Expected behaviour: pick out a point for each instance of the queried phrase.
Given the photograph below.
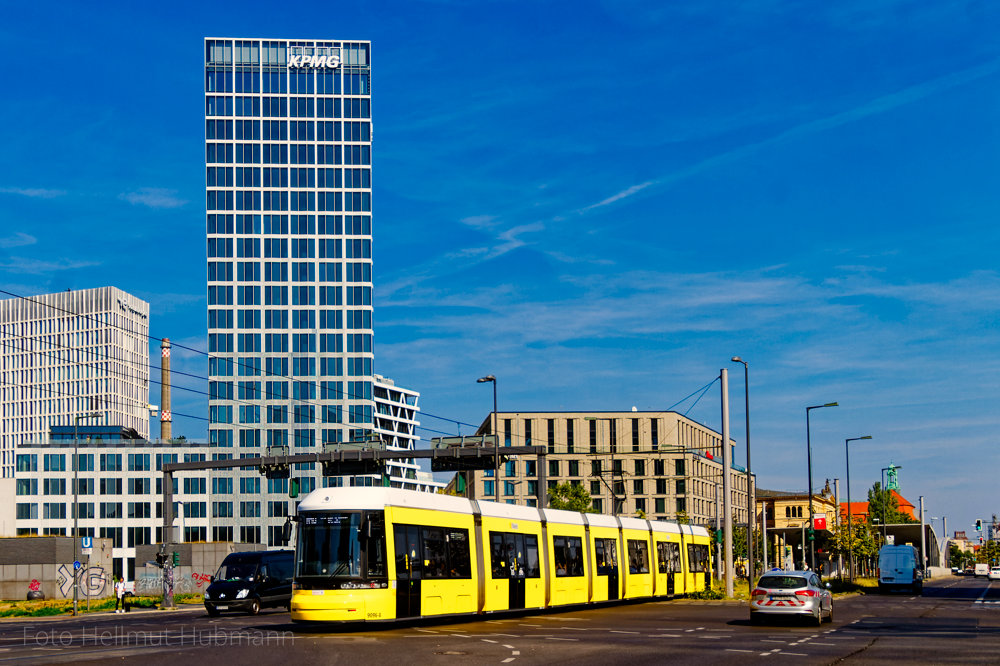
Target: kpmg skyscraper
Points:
(288, 157)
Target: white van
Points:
(897, 568)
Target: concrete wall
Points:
(46, 564)
(198, 563)
(7, 514)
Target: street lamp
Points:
(76, 505)
(812, 523)
(496, 438)
(850, 520)
(751, 504)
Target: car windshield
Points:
(781, 582)
(237, 570)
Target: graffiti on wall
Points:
(92, 581)
(151, 582)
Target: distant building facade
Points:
(661, 464)
(121, 486)
(68, 354)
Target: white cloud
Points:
(153, 197)
(39, 266)
(34, 192)
(627, 192)
(17, 240)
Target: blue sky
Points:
(598, 202)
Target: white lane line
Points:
(615, 631)
(794, 654)
(562, 639)
(486, 640)
(427, 631)
(822, 644)
(664, 635)
(508, 660)
(462, 635)
(712, 638)
(509, 647)
(735, 650)
(516, 652)
(575, 629)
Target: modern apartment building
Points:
(288, 140)
(661, 464)
(69, 354)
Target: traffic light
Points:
(979, 525)
(718, 536)
(293, 488)
(160, 559)
(811, 534)
(177, 559)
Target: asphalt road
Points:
(956, 620)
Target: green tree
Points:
(882, 504)
(571, 497)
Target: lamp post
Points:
(612, 445)
(885, 503)
(751, 503)
(809, 463)
(850, 520)
(76, 505)
(496, 438)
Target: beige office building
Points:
(661, 464)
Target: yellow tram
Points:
(382, 554)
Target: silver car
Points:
(791, 593)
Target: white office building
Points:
(68, 354)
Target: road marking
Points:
(509, 647)
(712, 638)
(616, 631)
(735, 650)
(575, 629)
(794, 654)
(562, 639)
(427, 631)
(822, 644)
(507, 660)
(486, 640)
(664, 635)
(516, 652)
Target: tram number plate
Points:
(222, 608)
(317, 593)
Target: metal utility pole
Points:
(751, 499)
(496, 443)
(76, 504)
(727, 493)
(923, 546)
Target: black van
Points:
(251, 581)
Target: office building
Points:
(69, 354)
(659, 464)
(288, 143)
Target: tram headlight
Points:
(242, 594)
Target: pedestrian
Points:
(119, 595)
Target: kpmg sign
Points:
(331, 61)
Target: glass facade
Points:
(289, 243)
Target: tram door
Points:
(669, 556)
(510, 563)
(408, 569)
(606, 552)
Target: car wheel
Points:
(254, 607)
(829, 616)
(754, 619)
(818, 620)
(212, 612)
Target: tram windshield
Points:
(341, 545)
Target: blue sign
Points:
(77, 565)
(87, 542)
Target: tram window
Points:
(668, 556)
(638, 556)
(374, 547)
(604, 551)
(408, 556)
(531, 556)
(435, 553)
(458, 554)
(568, 553)
(697, 558)
(497, 555)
